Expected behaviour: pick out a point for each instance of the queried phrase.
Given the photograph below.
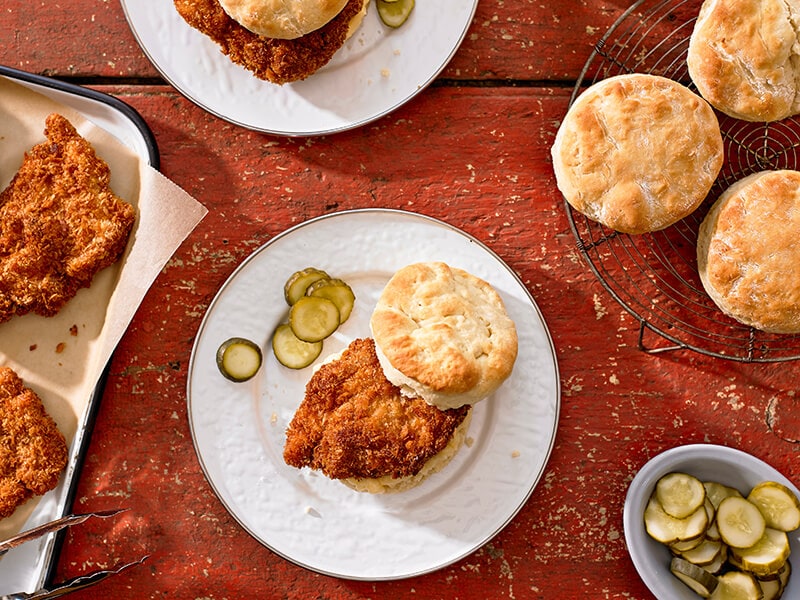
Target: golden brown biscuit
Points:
(637, 152)
(443, 334)
(743, 57)
(282, 19)
(748, 252)
(33, 453)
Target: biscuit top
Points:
(443, 334)
(282, 19)
(748, 252)
(637, 152)
(743, 58)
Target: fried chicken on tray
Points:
(33, 452)
(60, 223)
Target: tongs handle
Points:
(71, 585)
(36, 532)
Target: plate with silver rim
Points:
(238, 429)
(377, 70)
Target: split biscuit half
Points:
(443, 334)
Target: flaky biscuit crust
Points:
(637, 152)
(747, 251)
(743, 57)
(446, 330)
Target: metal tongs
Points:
(76, 583)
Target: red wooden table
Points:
(484, 128)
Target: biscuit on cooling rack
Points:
(747, 251)
(637, 152)
(743, 58)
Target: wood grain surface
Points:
(473, 150)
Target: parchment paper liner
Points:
(62, 357)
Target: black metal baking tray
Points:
(31, 566)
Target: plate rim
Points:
(287, 132)
(556, 394)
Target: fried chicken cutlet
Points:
(60, 223)
(33, 452)
(276, 60)
(354, 424)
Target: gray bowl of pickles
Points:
(708, 521)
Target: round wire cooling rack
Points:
(654, 275)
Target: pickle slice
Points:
(717, 492)
(778, 504)
(238, 359)
(712, 533)
(394, 14)
(718, 563)
(740, 522)
(770, 588)
(703, 554)
(736, 585)
(312, 318)
(338, 292)
(699, 580)
(680, 494)
(293, 352)
(667, 529)
(686, 545)
(767, 556)
(297, 284)
(784, 574)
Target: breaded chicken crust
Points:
(60, 223)
(33, 452)
(275, 60)
(353, 423)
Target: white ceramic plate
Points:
(375, 72)
(707, 462)
(238, 429)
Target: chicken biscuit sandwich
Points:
(277, 40)
(390, 411)
(356, 427)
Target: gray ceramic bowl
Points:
(708, 463)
